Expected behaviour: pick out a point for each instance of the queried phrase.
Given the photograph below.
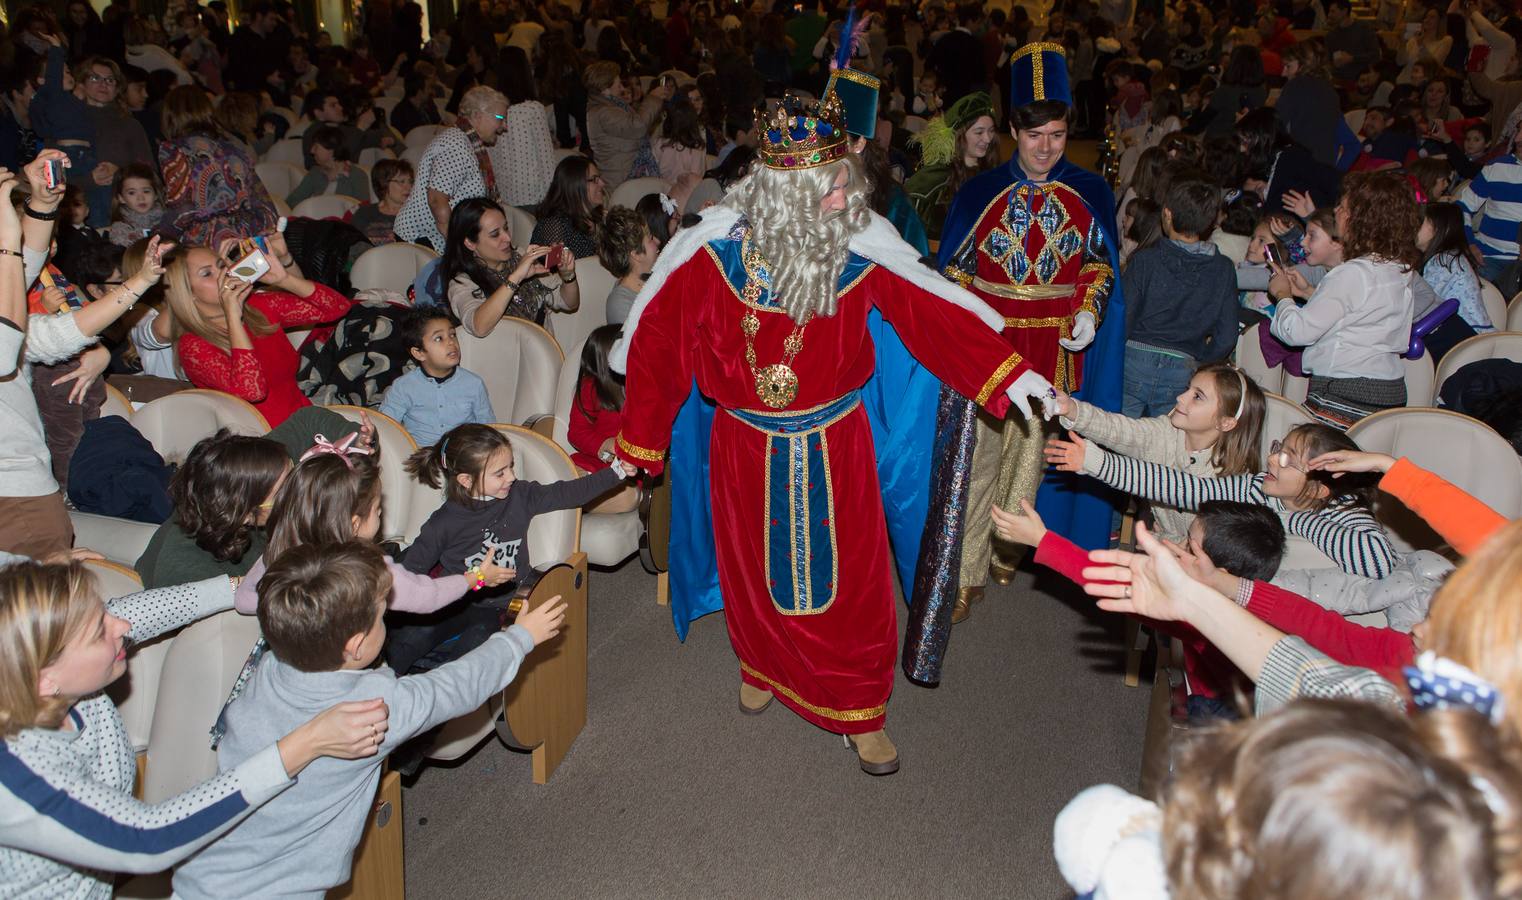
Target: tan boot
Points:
(966, 597)
(1000, 574)
(753, 700)
(875, 752)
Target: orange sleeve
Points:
(1459, 518)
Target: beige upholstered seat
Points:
(421, 136)
(521, 223)
(327, 206)
(174, 423)
(200, 666)
(414, 155)
(1462, 450)
(286, 150)
(397, 487)
(607, 538)
(1495, 303)
(1354, 118)
(116, 404)
(136, 692)
(1250, 360)
(1513, 315)
(552, 538)
(280, 178)
(519, 362)
(632, 191)
(563, 153)
(1490, 345)
(369, 156)
(594, 283)
(1421, 381)
(390, 267)
(119, 540)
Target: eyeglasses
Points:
(1276, 449)
(101, 79)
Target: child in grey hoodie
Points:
(321, 608)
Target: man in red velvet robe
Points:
(765, 305)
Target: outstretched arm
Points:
(659, 375)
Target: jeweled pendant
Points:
(777, 385)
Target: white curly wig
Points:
(804, 250)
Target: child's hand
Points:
(493, 574)
(1064, 405)
(92, 362)
(1279, 284)
(366, 437)
(543, 621)
(1299, 203)
(53, 298)
(1280, 225)
(1027, 528)
(1340, 461)
(1068, 455)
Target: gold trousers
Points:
(1006, 467)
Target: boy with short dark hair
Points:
(1181, 300)
(439, 393)
(321, 610)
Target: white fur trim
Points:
(880, 243)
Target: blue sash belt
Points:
(801, 567)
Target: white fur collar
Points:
(880, 242)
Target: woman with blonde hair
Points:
(230, 337)
(211, 191)
(67, 812)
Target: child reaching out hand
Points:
(486, 511)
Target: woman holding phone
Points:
(488, 278)
(231, 337)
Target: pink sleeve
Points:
(415, 593)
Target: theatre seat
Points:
(519, 362)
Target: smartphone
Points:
(251, 267)
(552, 259)
(1271, 253)
(53, 176)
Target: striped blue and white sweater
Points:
(1348, 534)
(1492, 201)
(67, 815)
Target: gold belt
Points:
(1025, 291)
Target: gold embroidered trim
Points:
(1103, 274)
(1038, 64)
(839, 715)
(1049, 322)
(861, 78)
(639, 452)
(841, 292)
(992, 384)
(1037, 47)
(1025, 291)
(957, 275)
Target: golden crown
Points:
(799, 135)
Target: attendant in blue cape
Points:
(1036, 239)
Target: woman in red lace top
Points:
(596, 416)
(231, 337)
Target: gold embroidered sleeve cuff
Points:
(644, 454)
(997, 378)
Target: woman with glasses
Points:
(1332, 511)
(119, 139)
(571, 213)
(392, 180)
(456, 166)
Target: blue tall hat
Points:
(1039, 71)
(857, 91)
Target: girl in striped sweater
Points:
(1333, 512)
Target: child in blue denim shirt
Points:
(438, 394)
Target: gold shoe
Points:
(753, 700)
(874, 752)
(1000, 574)
(966, 597)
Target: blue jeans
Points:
(1154, 379)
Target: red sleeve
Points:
(291, 311)
(580, 430)
(973, 359)
(659, 375)
(1346, 642)
(1063, 557)
(1457, 517)
(237, 373)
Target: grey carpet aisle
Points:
(671, 792)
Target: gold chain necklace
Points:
(777, 384)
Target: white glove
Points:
(1029, 384)
(1082, 333)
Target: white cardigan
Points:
(25, 465)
